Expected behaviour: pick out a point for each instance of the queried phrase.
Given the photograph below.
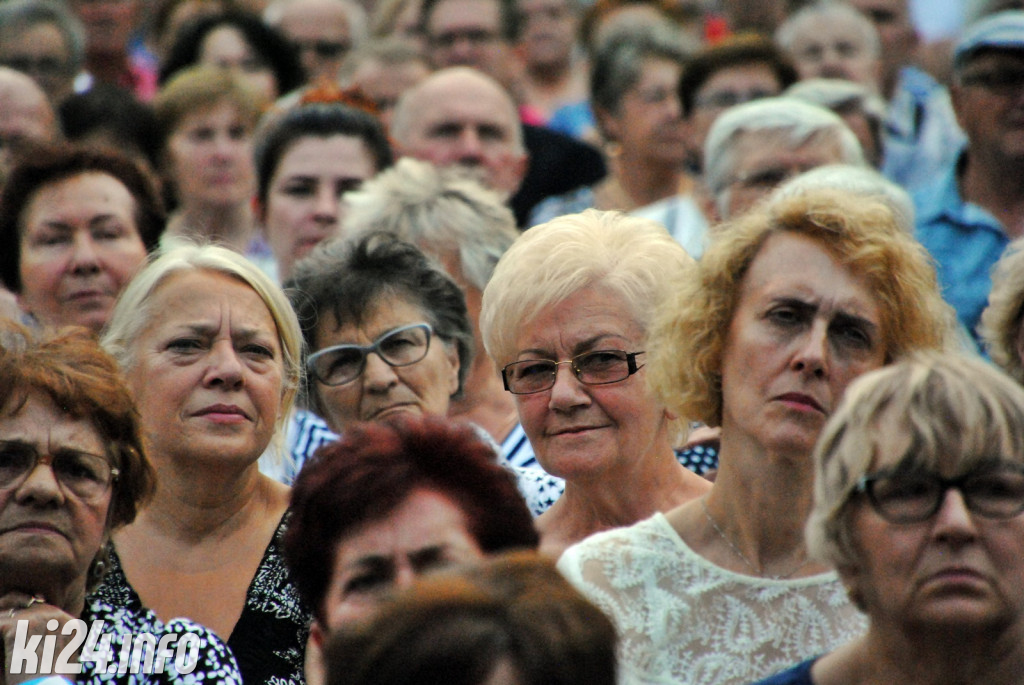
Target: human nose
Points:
(326, 209)
(84, 255)
(568, 392)
(953, 521)
(470, 145)
(405, 575)
(811, 356)
(39, 485)
(225, 368)
(378, 375)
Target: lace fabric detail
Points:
(681, 619)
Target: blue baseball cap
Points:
(1000, 31)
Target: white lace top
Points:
(681, 619)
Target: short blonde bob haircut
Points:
(134, 313)
(928, 411)
(1000, 322)
(634, 258)
(201, 87)
(688, 337)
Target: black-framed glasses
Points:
(342, 364)
(999, 81)
(87, 476)
(911, 496)
(599, 367)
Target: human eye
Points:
(108, 230)
(444, 130)
(492, 133)
(1002, 488)
(767, 178)
(337, 365)
(15, 459)
(299, 188)
(852, 333)
(74, 466)
(50, 237)
(784, 315)
(259, 350)
(905, 494)
(601, 360)
(531, 369)
(345, 185)
(184, 345)
(846, 49)
(372, 581)
(238, 132)
(201, 134)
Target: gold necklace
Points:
(736, 550)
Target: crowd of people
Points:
(287, 288)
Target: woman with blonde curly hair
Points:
(1001, 322)
(788, 305)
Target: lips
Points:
(35, 527)
(391, 409)
(223, 411)
(797, 400)
(572, 430)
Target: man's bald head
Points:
(461, 116)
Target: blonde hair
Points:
(946, 410)
(1001, 320)
(688, 335)
(634, 258)
(134, 313)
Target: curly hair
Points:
(689, 332)
(1001, 320)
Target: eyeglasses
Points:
(766, 179)
(86, 476)
(999, 81)
(324, 49)
(475, 37)
(599, 367)
(344, 363)
(902, 496)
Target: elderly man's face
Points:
(989, 102)
(42, 52)
(827, 48)
(468, 123)
(320, 32)
(467, 33)
(766, 161)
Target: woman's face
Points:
(382, 391)
(80, 245)
(303, 205)
(427, 532)
(47, 531)
(579, 430)
(649, 123)
(804, 327)
(226, 47)
(208, 375)
(210, 157)
(956, 569)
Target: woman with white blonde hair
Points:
(1002, 322)
(211, 351)
(580, 292)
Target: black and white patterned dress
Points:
(269, 640)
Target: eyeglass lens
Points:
(85, 475)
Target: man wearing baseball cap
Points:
(976, 207)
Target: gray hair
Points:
(16, 15)
(939, 408)
(788, 32)
(857, 180)
(795, 122)
(355, 17)
(443, 211)
(1001, 320)
(839, 95)
(617, 63)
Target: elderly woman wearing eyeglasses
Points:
(564, 317)
(72, 471)
(387, 330)
(918, 503)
